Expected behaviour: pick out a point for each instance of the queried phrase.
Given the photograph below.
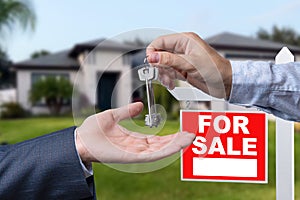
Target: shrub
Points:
(54, 91)
(12, 110)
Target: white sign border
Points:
(228, 181)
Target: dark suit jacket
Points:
(46, 167)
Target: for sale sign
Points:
(229, 146)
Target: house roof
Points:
(228, 40)
(102, 44)
(58, 60)
(67, 59)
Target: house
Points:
(238, 47)
(107, 77)
(101, 78)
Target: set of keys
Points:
(148, 74)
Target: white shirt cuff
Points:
(87, 169)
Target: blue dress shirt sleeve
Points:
(273, 88)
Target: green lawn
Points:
(163, 184)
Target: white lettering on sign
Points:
(239, 123)
(200, 144)
(203, 123)
(217, 146)
(218, 121)
(247, 146)
(230, 149)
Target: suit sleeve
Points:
(46, 167)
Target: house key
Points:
(148, 73)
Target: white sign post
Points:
(284, 146)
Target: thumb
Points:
(128, 111)
(167, 59)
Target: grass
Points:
(163, 184)
(13, 131)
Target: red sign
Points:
(229, 146)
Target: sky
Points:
(63, 23)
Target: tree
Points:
(7, 76)
(53, 91)
(12, 13)
(40, 53)
(16, 12)
(283, 35)
(167, 101)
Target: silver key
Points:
(148, 74)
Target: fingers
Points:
(171, 67)
(167, 59)
(128, 149)
(127, 111)
(167, 81)
(172, 43)
(180, 141)
(173, 51)
(164, 146)
(168, 50)
(168, 76)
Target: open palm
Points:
(104, 140)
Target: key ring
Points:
(145, 60)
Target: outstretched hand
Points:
(101, 139)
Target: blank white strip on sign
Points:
(225, 167)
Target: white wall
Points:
(23, 88)
(99, 62)
(8, 95)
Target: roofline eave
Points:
(45, 67)
(243, 48)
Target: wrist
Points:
(81, 150)
(225, 70)
(227, 77)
